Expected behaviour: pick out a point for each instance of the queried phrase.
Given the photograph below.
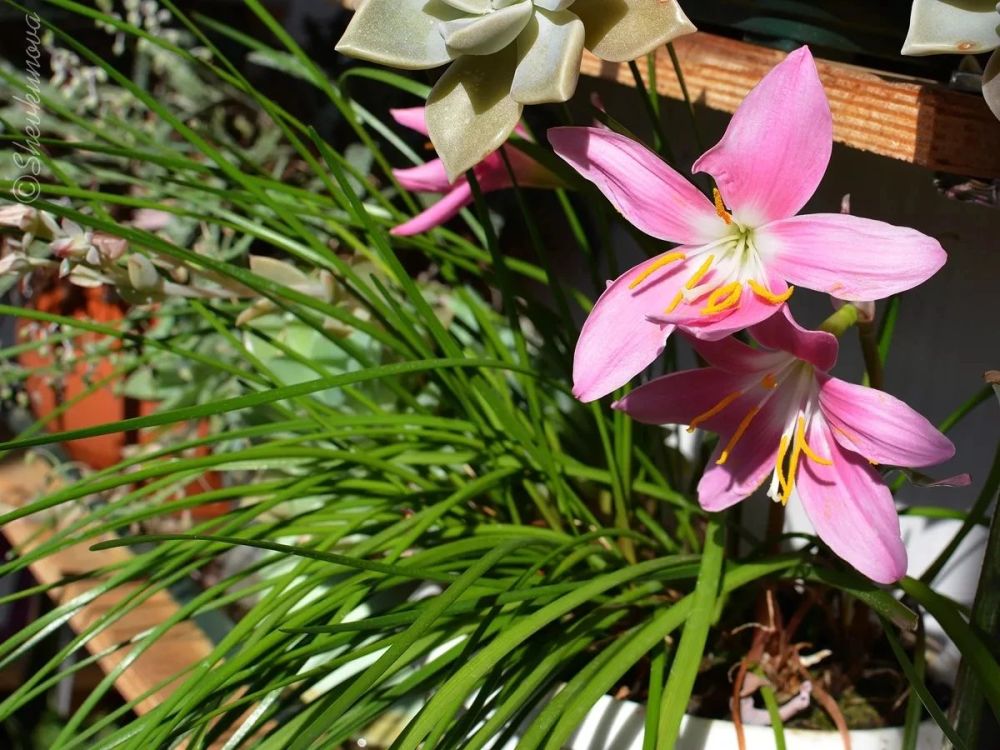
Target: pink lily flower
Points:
(778, 411)
(736, 256)
(431, 177)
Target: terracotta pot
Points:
(58, 385)
(48, 392)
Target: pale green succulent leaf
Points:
(277, 271)
(991, 83)
(478, 7)
(470, 112)
(622, 30)
(549, 51)
(488, 34)
(399, 33)
(553, 4)
(952, 27)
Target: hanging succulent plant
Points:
(504, 54)
(964, 28)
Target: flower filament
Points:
(656, 265)
(792, 448)
(738, 267)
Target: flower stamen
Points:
(724, 456)
(720, 207)
(799, 446)
(723, 298)
(767, 295)
(769, 381)
(714, 410)
(655, 266)
(700, 273)
(782, 480)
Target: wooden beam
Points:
(910, 119)
(903, 118)
(184, 645)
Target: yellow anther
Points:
(804, 446)
(714, 410)
(769, 381)
(793, 466)
(675, 302)
(723, 298)
(656, 265)
(799, 446)
(720, 207)
(700, 273)
(782, 452)
(724, 456)
(766, 294)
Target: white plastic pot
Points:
(618, 725)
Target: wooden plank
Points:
(903, 118)
(184, 645)
(910, 119)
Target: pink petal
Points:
(529, 173)
(647, 192)
(752, 459)
(777, 146)
(682, 396)
(618, 339)
(411, 117)
(734, 356)
(847, 256)
(445, 209)
(780, 332)
(424, 178)
(880, 427)
(850, 508)
(492, 173)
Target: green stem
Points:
(874, 372)
(965, 409)
(975, 516)
(967, 710)
(774, 712)
(687, 96)
(661, 142)
(841, 320)
(914, 708)
(775, 526)
(691, 648)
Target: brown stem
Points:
(869, 349)
(830, 706)
(775, 527)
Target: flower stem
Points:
(968, 708)
(660, 136)
(868, 337)
(678, 71)
(841, 320)
(775, 527)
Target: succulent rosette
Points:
(504, 54)
(970, 27)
